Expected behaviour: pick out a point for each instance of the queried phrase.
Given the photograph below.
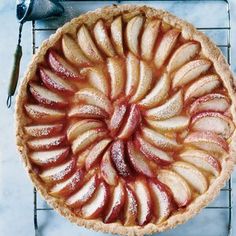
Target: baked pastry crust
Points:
(210, 51)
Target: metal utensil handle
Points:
(15, 69)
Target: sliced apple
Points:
(117, 35)
(46, 97)
(190, 72)
(87, 45)
(73, 53)
(145, 82)
(58, 173)
(116, 69)
(202, 86)
(214, 122)
(95, 154)
(43, 114)
(96, 78)
(178, 186)
(87, 138)
(162, 200)
(94, 97)
(43, 130)
(67, 187)
(192, 175)
(115, 204)
(107, 170)
(96, 204)
(119, 158)
(82, 126)
(176, 123)
(159, 140)
(102, 39)
(207, 141)
(201, 160)
(117, 118)
(49, 158)
(139, 161)
(84, 193)
(56, 83)
(170, 108)
(87, 111)
(133, 30)
(144, 202)
(61, 67)
(165, 47)
(132, 122)
(152, 152)
(157, 94)
(183, 54)
(210, 102)
(132, 74)
(148, 39)
(46, 143)
(130, 207)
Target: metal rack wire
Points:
(226, 46)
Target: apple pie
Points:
(126, 120)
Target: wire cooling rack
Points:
(222, 211)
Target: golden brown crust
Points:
(189, 32)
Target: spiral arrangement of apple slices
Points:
(128, 121)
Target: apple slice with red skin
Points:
(210, 102)
(162, 200)
(82, 126)
(190, 71)
(94, 207)
(102, 39)
(119, 159)
(95, 154)
(149, 35)
(115, 204)
(73, 53)
(67, 187)
(116, 69)
(178, 186)
(87, 45)
(47, 97)
(221, 124)
(133, 30)
(61, 67)
(165, 47)
(55, 83)
(87, 111)
(130, 207)
(183, 54)
(108, 171)
(43, 130)
(94, 97)
(84, 193)
(207, 141)
(46, 143)
(87, 138)
(201, 160)
(204, 85)
(49, 158)
(117, 118)
(160, 140)
(152, 152)
(144, 201)
(131, 123)
(139, 161)
(43, 114)
(58, 173)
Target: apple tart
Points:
(126, 120)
